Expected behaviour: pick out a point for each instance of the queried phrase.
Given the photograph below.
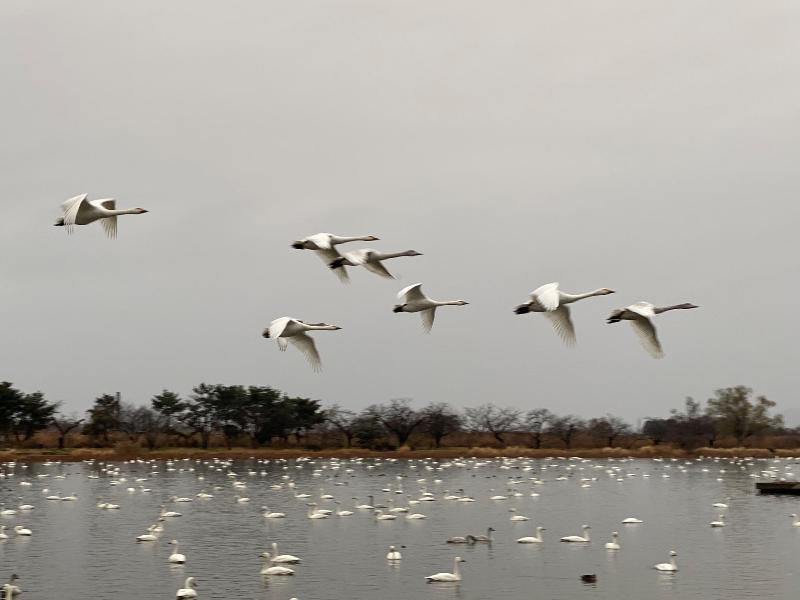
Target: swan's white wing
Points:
(71, 208)
(646, 331)
(321, 240)
(562, 322)
(305, 343)
(644, 309)
(375, 266)
(411, 293)
(328, 255)
(109, 223)
(547, 296)
(428, 315)
(277, 327)
(357, 257)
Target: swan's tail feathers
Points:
(522, 309)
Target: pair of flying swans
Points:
(287, 329)
(414, 300)
(78, 210)
(551, 301)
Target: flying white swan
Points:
(413, 300)
(533, 539)
(80, 211)
(176, 557)
(670, 566)
(393, 554)
(551, 301)
(282, 558)
(614, 543)
(277, 570)
(324, 244)
(454, 576)
(639, 315)
(578, 538)
(287, 329)
(370, 259)
(188, 590)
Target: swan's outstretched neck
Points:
(685, 305)
(566, 298)
(356, 238)
(452, 303)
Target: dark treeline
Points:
(236, 416)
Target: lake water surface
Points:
(78, 551)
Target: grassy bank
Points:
(111, 454)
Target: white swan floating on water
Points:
(533, 539)
(188, 590)
(578, 538)
(670, 566)
(454, 576)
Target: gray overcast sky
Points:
(649, 147)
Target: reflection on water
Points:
(81, 551)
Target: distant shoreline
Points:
(110, 454)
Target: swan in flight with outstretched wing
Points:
(370, 259)
(413, 300)
(81, 211)
(287, 329)
(324, 244)
(639, 315)
(551, 301)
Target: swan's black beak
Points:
(297, 245)
(522, 309)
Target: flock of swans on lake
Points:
(276, 564)
(547, 299)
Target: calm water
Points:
(79, 551)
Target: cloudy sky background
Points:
(649, 147)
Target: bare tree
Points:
(609, 428)
(535, 423)
(493, 419)
(64, 424)
(345, 421)
(397, 417)
(440, 420)
(565, 428)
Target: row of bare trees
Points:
(257, 416)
